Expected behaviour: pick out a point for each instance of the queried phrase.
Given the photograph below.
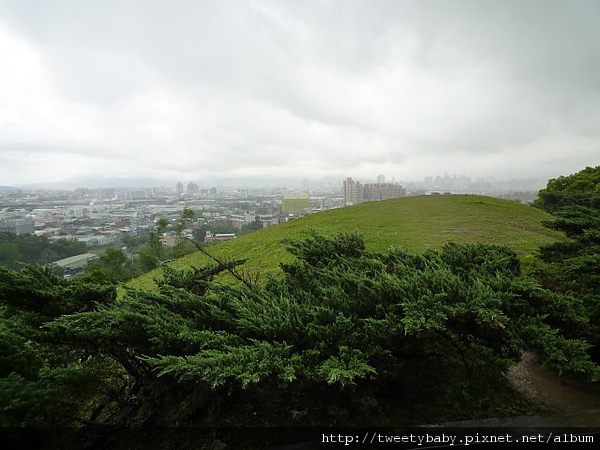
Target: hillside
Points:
(414, 223)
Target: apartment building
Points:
(354, 192)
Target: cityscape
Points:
(104, 216)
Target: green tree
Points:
(343, 334)
(114, 264)
(16, 249)
(573, 266)
(155, 238)
(581, 188)
(9, 254)
(340, 328)
(251, 227)
(44, 382)
(184, 221)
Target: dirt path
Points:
(575, 405)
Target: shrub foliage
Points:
(573, 266)
(328, 341)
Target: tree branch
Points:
(226, 267)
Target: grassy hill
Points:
(414, 223)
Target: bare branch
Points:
(250, 284)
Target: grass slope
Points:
(414, 223)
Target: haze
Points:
(259, 90)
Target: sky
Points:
(263, 90)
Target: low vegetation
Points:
(572, 267)
(349, 330)
(413, 223)
(342, 328)
(17, 249)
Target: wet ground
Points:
(569, 403)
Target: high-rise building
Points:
(192, 189)
(382, 191)
(353, 192)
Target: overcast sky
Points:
(196, 90)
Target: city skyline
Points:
(182, 186)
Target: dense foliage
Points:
(25, 248)
(573, 266)
(344, 333)
(581, 188)
(44, 380)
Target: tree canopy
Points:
(573, 266)
(334, 337)
(581, 188)
(25, 248)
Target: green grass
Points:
(413, 223)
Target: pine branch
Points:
(250, 284)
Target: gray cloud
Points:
(312, 88)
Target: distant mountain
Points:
(104, 182)
(413, 223)
(213, 181)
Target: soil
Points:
(570, 403)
